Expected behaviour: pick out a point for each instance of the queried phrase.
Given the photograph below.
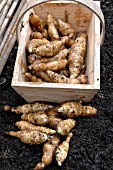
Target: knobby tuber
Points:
(58, 78)
(52, 48)
(27, 108)
(43, 76)
(65, 126)
(34, 43)
(77, 54)
(36, 35)
(73, 109)
(32, 78)
(26, 126)
(52, 65)
(53, 112)
(52, 31)
(30, 137)
(32, 58)
(49, 150)
(63, 149)
(37, 22)
(38, 118)
(54, 121)
(65, 28)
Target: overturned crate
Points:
(83, 15)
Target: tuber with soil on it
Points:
(28, 108)
(36, 35)
(54, 121)
(52, 48)
(52, 30)
(63, 149)
(66, 29)
(58, 78)
(30, 137)
(53, 112)
(65, 126)
(34, 43)
(26, 126)
(77, 55)
(32, 57)
(32, 78)
(72, 109)
(38, 118)
(49, 150)
(52, 65)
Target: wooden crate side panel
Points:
(55, 94)
(77, 15)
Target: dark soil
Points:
(91, 148)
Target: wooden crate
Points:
(82, 19)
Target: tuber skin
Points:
(33, 78)
(36, 22)
(61, 55)
(26, 126)
(36, 35)
(72, 109)
(43, 76)
(32, 58)
(76, 55)
(65, 126)
(30, 137)
(34, 43)
(52, 48)
(63, 149)
(66, 29)
(52, 65)
(38, 118)
(58, 78)
(54, 121)
(53, 112)
(52, 31)
(27, 108)
(49, 150)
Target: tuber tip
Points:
(7, 108)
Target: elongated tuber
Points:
(27, 108)
(38, 118)
(36, 35)
(32, 78)
(52, 31)
(73, 109)
(53, 112)
(52, 65)
(76, 55)
(58, 78)
(37, 22)
(34, 43)
(43, 76)
(65, 28)
(63, 149)
(26, 126)
(49, 150)
(29, 137)
(65, 126)
(52, 48)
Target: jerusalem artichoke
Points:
(66, 29)
(32, 78)
(53, 112)
(30, 137)
(52, 65)
(27, 108)
(37, 22)
(36, 35)
(58, 78)
(43, 75)
(52, 31)
(52, 48)
(49, 150)
(38, 118)
(65, 126)
(63, 149)
(34, 43)
(73, 109)
(76, 55)
(32, 58)
(26, 126)
(54, 121)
